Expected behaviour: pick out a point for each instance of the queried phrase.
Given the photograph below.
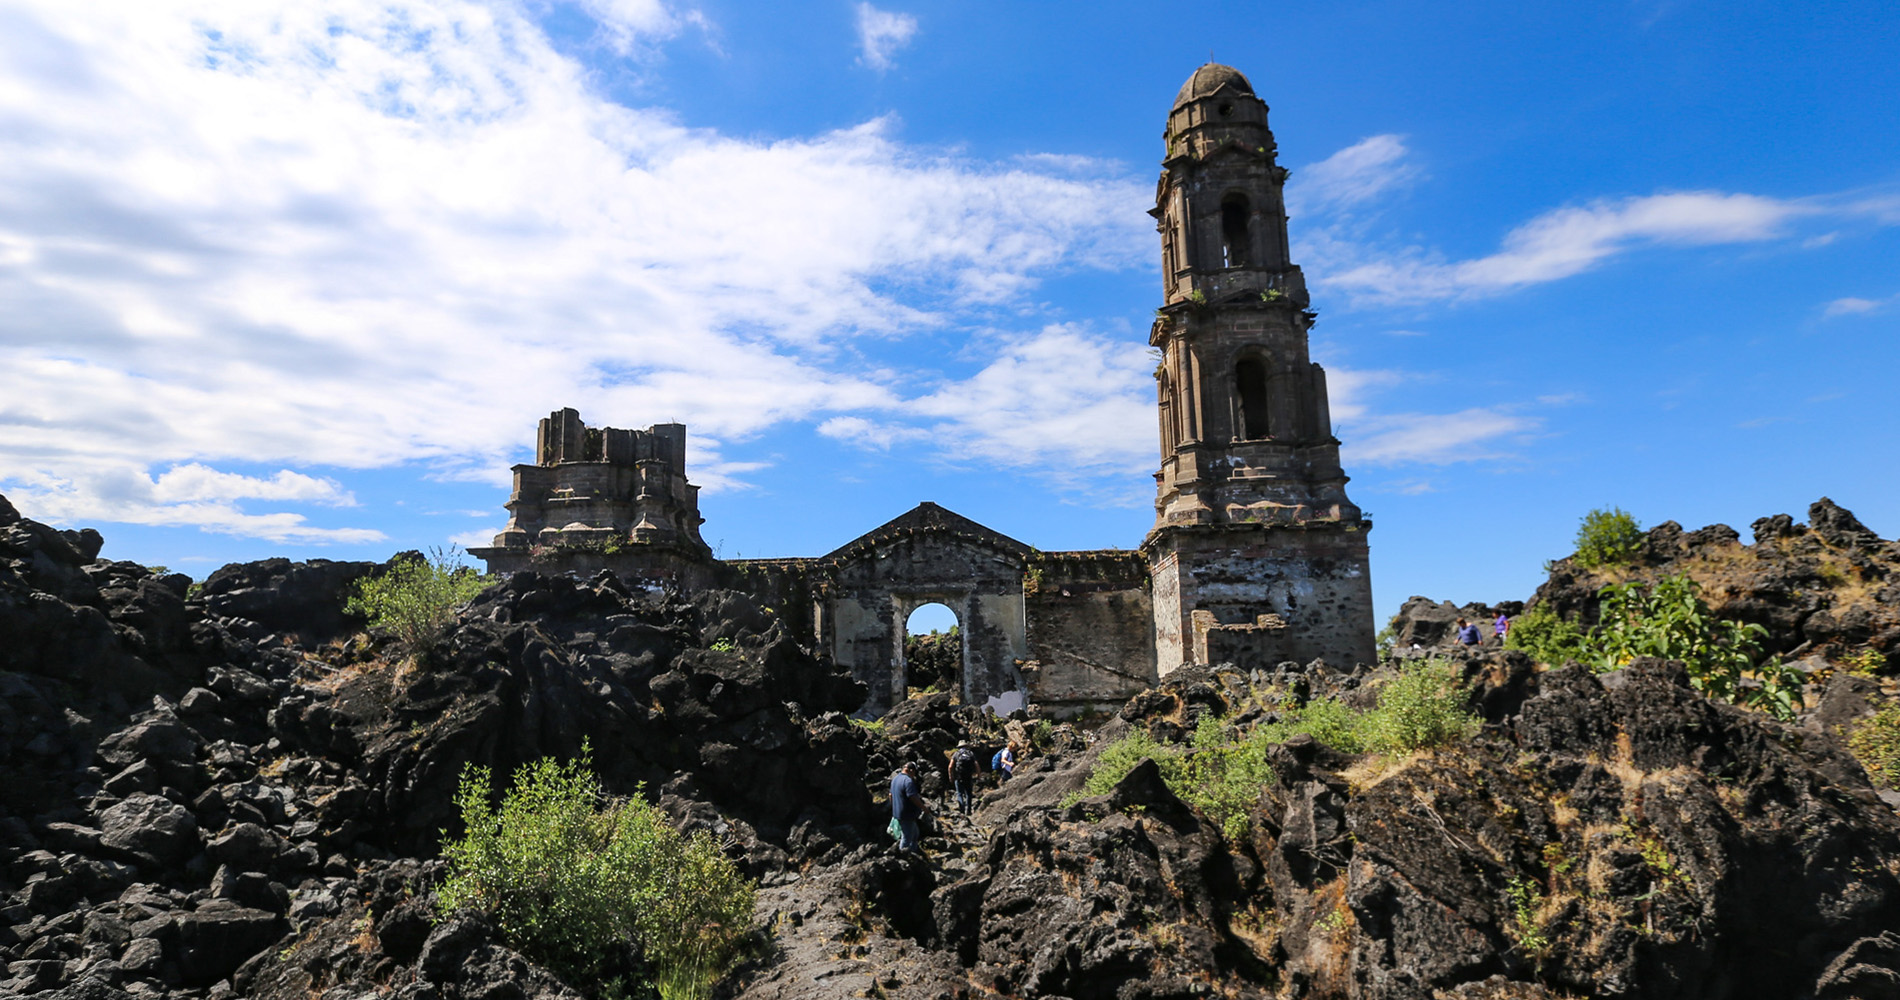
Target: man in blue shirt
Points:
(907, 805)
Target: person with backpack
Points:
(907, 806)
(963, 777)
(1004, 763)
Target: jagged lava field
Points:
(236, 789)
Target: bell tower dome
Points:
(1252, 521)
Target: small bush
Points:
(415, 600)
(1421, 708)
(1121, 756)
(1547, 637)
(1866, 662)
(1875, 742)
(1525, 926)
(571, 879)
(1326, 720)
(1723, 656)
(1607, 538)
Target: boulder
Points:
(162, 741)
(219, 936)
(246, 847)
(151, 829)
(301, 598)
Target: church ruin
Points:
(1257, 556)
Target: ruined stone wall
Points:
(1313, 576)
(878, 583)
(791, 588)
(1088, 621)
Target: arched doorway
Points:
(933, 652)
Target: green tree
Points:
(416, 598)
(571, 878)
(1607, 538)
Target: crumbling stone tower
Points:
(1257, 555)
(604, 498)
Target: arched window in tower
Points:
(1250, 378)
(1166, 392)
(1235, 236)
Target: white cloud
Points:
(1432, 438)
(369, 234)
(1336, 200)
(195, 482)
(881, 33)
(1556, 245)
(1852, 306)
(194, 497)
(477, 538)
(869, 433)
(1064, 400)
(1354, 175)
(626, 21)
(1064, 404)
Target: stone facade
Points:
(1256, 557)
(1251, 513)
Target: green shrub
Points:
(1607, 538)
(415, 600)
(1723, 656)
(1326, 720)
(1875, 742)
(1221, 771)
(1421, 708)
(1224, 782)
(1547, 637)
(1525, 927)
(1121, 756)
(570, 878)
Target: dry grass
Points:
(1329, 946)
(365, 940)
(1372, 770)
(1562, 814)
(1622, 764)
(1258, 929)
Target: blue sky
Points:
(299, 280)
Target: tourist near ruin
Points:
(617, 766)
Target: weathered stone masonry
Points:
(1251, 513)
(1257, 555)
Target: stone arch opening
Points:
(1250, 384)
(933, 651)
(1236, 222)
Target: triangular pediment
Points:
(930, 518)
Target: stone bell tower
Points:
(1257, 555)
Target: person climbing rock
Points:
(1467, 633)
(1005, 762)
(907, 806)
(963, 776)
